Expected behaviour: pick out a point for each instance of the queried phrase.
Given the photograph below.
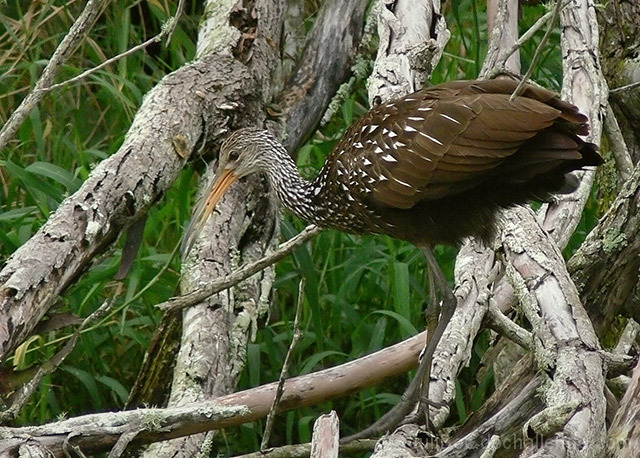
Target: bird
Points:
(433, 167)
(430, 168)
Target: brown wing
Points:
(439, 141)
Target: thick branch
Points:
(323, 66)
(605, 268)
(565, 345)
(119, 191)
(99, 432)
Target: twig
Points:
(69, 43)
(76, 34)
(125, 439)
(618, 146)
(497, 321)
(531, 31)
(539, 49)
(284, 373)
(170, 26)
(187, 300)
(624, 88)
(166, 32)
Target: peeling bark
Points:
(408, 51)
(620, 50)
(215, 332)
(624, 437)
(324, 64)
(565, 345)
(120, 190)
(605, 268)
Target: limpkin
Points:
(432, 167)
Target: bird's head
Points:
(243, 153)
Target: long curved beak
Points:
(222, 180)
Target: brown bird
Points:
(432, 167)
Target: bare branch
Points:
(331, 44)
(502, 20)
(99, 432)
(244, 272)
(497, 321)
(565, 345)
(617, 144)
(284, 373)
(118, 192)
(623, 440)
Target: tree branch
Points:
(99, 432)
(194, 297)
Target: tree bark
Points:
(120, 190)
(215, 332)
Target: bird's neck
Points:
(293, 191)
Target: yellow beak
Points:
(219, 185)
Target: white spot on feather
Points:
(449, 118)
(433, 139)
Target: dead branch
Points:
(284, 372)
(605, 268)
(118, 192)
(165, 33)
(623, 439)
(194, 297)
(326, 432)
(565, 345)
(99, 432)
(331, 44)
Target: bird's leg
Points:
(420, 383)
(438, 315)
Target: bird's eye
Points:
(233, 155)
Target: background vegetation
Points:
(362, 294)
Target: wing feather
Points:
(448, 139)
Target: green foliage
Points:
(362, 293)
